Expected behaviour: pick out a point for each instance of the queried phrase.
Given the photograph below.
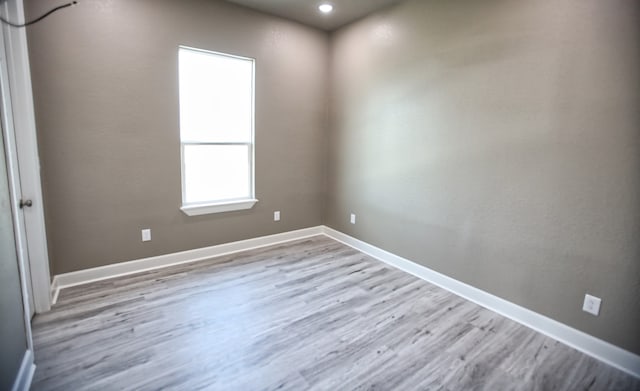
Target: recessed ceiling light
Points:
(325, 8)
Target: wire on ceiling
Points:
(36, 20)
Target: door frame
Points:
(20, 97)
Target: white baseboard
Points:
(55, 290)
(86, 276)
(25, 373)
(597, 348)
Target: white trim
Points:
(55, 290)
(590, 345)
(227, 206)
(85, 276)
(24, 377)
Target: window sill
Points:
(227, 206)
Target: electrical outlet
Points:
(591, 304)
(353, 218)
(276, 215)
(146, 235)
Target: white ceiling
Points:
(306, 11)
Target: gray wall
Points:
(13, 339)
(106, 98)
(498, 142)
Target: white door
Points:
(23, 166)
(19, 204)
(12, 280)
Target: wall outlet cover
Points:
(146, 235)
(276, 215)
(591, 304)
(353, 218)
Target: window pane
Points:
(216, 96)
(216, 172)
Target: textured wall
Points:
(13, 339)
(498, 142)
(106, 98)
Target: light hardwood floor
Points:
(310, 314)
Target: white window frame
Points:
(227, 205)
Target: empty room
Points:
(320, 195)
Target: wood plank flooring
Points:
(306, 315)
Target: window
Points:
(216, 131)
